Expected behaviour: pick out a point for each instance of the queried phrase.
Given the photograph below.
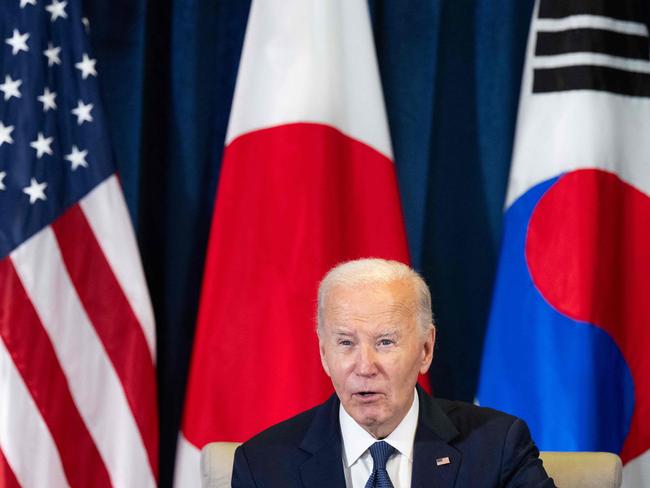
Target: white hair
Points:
(376, 271)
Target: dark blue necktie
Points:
(380, 452)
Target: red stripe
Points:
(114, 320)
(7, 477)
(33, 354)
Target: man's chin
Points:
(368, 416)
(375, 425)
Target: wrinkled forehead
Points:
(370, 303)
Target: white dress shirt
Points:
(357, 461)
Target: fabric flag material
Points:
(307, 181)
(569, 333)
(77, 339)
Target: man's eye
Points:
(386, 342)
(345, 342)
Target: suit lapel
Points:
(324, 469)
(435, 461)
(430, 466)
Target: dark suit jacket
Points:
(486, 448)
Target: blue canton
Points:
(54, 145)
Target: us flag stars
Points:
(77, 158)
(86, 66)
(36, 140)
(18, 42)
(82, 111)
(52, 54)
(5, 134)
(42, 145)
(36, 191)
(10, 87)
(47, 99)
(57, 10)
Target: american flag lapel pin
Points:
(442, 461)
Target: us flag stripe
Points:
(106, 305)
(24, 438)
(592, 40)
(81, 461)
(117, 241)
(622, 10)
(6, 474)
(94, 385)
(591, 78)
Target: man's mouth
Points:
(367, 395)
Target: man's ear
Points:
(427, 353)
(323, 359)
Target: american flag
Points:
(77, 339)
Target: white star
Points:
(77, 158)
(57, 9)
(2, 180)
(24, 3)
(47, 99)
(42, 145)
(52, 54)
(36, 191)
(18, 42)
(5, 134)
(86, 23)
(10, 87)
(86, 66)
(83, 112)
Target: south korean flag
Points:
(569, 333)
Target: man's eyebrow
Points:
(341, 331)
(389, 332)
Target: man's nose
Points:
(366, 361)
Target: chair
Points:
(568, 469)
(216, 464)
(583, 469)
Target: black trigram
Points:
(592, 45)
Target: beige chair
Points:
(216, 464)
(582, 469)
(568, 469)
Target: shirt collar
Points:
(356, 440)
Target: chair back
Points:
(583, 469)
(216, 464)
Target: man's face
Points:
(373, 350)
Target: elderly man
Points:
(376, 335)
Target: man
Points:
(376, 335)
